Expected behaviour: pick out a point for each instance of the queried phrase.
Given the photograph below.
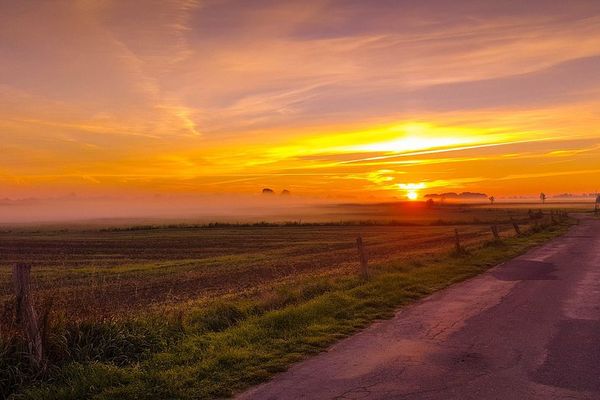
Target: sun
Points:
(411, 189)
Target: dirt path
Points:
(527, 329)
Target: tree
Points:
(285, 192)
(267, 191)
(492, 199)
(543, 197)
(429, 203)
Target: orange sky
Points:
(327, 98)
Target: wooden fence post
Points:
(495, 232)
(517, 229)
(26, 315)
(364, 265)
(457, 245)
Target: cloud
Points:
(263, 71)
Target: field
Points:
(111, 270)
(122, 296)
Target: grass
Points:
(217, 348)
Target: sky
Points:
(326, 98)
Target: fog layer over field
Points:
(273, 207)
(196, 209)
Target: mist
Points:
(196, 209)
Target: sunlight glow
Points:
(412, 189)
(414, 136)
(411, 186)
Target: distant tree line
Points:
(269, 191)
(453, 195)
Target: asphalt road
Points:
(526, 329)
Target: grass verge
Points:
(237, 343)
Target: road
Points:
(526, 329)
